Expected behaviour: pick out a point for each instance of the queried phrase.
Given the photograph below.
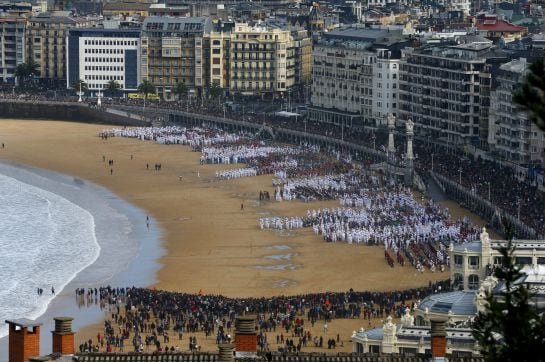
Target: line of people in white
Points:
(279, 223)
(236, 173)
(242, 153)
(195, 137)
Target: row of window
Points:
(103, 77)
(103, 51)
(103, 60)
(111, 68)
(111, 42)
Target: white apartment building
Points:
(98, 56)
(512, 136)
(355, 76)
(385, 86)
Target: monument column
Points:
(391, 126)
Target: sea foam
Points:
(45, 241)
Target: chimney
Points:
(24, 339)
(226, 352)
(63, 337)
(438, 340)
(245, 337)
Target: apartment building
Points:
(46, 44)
(261, 60)
(439, 89)
(98, 56)
(173, 51)
(512, 136)
(355, 76)
(385, 86)
(12, 47)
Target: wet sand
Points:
(211, 244)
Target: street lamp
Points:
(488, 183)
(373, 137)
(432, 162)
(79, 93)
(460, 176)
(518, 208)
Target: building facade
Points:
(261, 60)
(46, 44)
(173, 51)
(439, 89)
(98, 56)
(355, 76)
(385, 86)
(513, 137)
(12, 47)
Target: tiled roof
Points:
(493, 24)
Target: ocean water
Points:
(45, 241)
(62, 231)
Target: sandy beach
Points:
(211, 244)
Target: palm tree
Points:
(531, 97)
(146, 87)
(26, 70)
(181, 90)
(215, 91)
(112, 88)
(80, 86)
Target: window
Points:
(458, 281)
(458, 260)
(215, 60)
(473, 262)
(216, 51)
(473, 281)
(523, 260)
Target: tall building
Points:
(513, 137)
(262, 60)
(98, 56)
(385, 86)
(439, 89)
(173, 51)
(354, 76)
(46, 44)
(12, 47)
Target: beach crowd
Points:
(141, 319)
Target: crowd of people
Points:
(236, 173)
(147, 319)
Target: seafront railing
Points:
(482, 207)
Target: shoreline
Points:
(107, 209)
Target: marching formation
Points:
(373, 210)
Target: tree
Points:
(181, 90)
(146, 88)
(531, 97)
(112, 88)
(215, 91)
(79, 86)
(26, 70)
(510, 328)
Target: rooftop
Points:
(459, 303)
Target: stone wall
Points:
(64, 111)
